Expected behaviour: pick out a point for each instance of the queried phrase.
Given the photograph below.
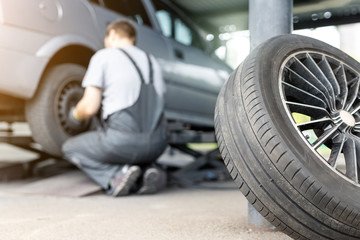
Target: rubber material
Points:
(42, 112)
(273, 167)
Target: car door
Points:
(195, 78)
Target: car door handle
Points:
(179, 54)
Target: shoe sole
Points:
(151, 177)
(131, 177)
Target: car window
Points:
(172, 25)
(130, 8)
(165, 22)
(182, 33)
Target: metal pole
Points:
(267, 19)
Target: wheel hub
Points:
(347, 118)
(69, 95)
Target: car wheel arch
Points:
(76, 53)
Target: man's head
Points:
(120, 33)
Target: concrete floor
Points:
(217, 212)
(176, 213)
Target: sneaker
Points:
(125, 180)
(154, 179)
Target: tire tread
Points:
(337, 221)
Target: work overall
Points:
(134, 136)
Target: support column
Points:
(267, 19)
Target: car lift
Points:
(206, 165)
(21, 169)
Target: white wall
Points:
(346, 37)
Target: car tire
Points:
(47, 113)
(283, 172)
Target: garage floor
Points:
(216, 210)
(175, 213)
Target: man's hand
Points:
(74, 121)
(79, 116)
(89, 104)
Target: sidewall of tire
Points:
(349, 192)
(274, 167)
(41, 111)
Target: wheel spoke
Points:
(298, 81)
(314, 124)
(303, 96)
(351, 151)
(322, 79)
(327, 70)
(357, 127)
(336, 149)
(309, 110)
(353, 87)
(324, 137)
(356, 109)
(307, 74)
(341, 77)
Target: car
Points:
(46, 46)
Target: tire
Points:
(47, 113)
(283, 173)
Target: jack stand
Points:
(206, 166)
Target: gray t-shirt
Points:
(113, 72)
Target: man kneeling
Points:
(128, 84)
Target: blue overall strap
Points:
(151, 77)
(137, 67)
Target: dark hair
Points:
(122, 28)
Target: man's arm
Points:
(89, 104)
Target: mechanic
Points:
(127, 83)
